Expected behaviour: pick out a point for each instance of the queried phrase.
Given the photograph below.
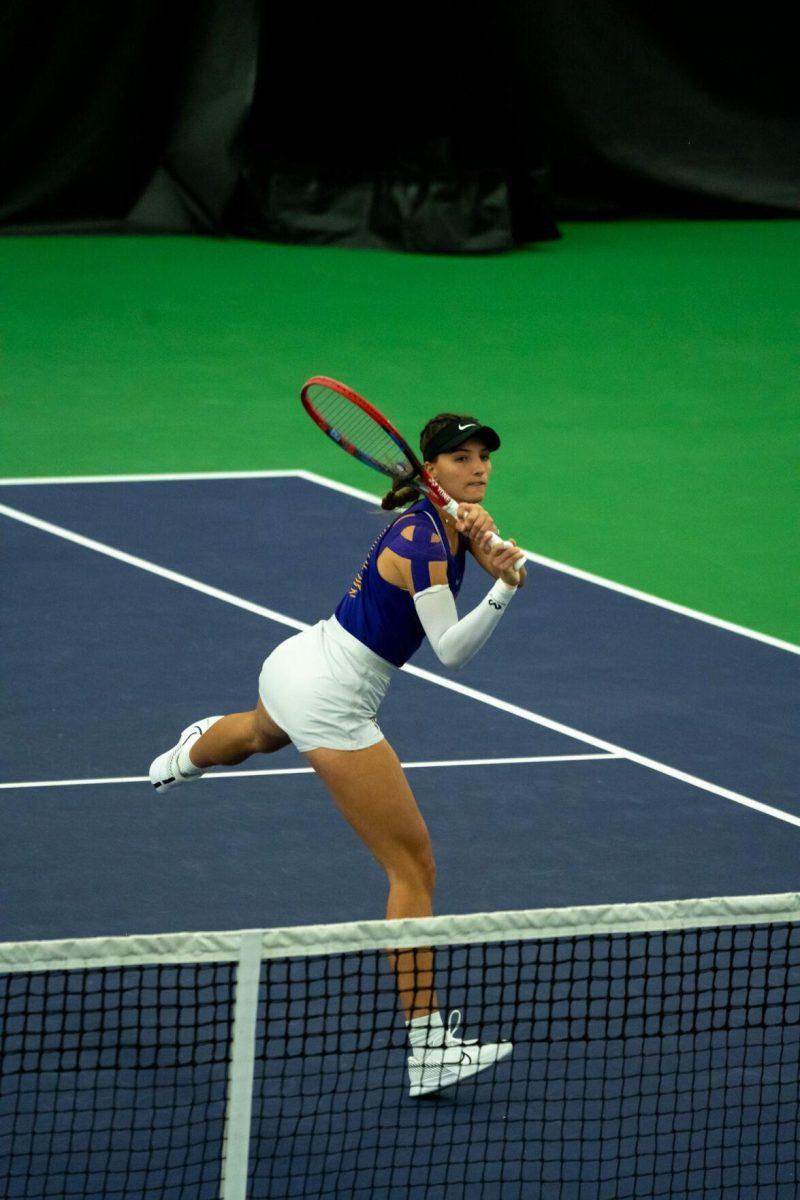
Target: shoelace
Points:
(451, 1033)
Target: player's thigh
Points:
(272, 736)
(373, 794)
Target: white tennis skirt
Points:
(324, 688)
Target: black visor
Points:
(458, 431)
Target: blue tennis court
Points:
(110, 658)
(608, 750)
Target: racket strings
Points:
(348, 422)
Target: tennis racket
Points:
(360, 429)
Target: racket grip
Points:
(495, 540)
(452, 508)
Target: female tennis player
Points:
(322, 688)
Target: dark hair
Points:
(402, 492)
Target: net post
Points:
(236, 1141)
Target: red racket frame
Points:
(429, 485)
(437, 494)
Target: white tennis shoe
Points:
(164, 770)
(431, 1068)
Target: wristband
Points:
(500, 593)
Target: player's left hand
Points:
(475, 522)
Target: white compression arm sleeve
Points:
(456, 641)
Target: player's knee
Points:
(426, 864)
(261, 742)
(262, 736)
(265, 736)
(429, 874)
(418, 869)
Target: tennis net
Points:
(656, 1054)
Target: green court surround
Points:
(644, 376)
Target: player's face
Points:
(464, 472)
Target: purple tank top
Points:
(383, 616)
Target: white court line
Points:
(152, 568)
(170, 477)
(472, 693)
(359, 494)
(587, 576)
(408, 766)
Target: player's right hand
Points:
(502, 557)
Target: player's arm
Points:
(475, 522)
(454, 641)
(487, 557)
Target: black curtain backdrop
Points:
(682, 109)
(431, 128)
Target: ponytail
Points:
(400, 494)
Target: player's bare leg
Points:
(372, 792)
(232, 739)
(216, 742)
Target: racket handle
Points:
(494, 540)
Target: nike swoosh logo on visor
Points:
(470, 425)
